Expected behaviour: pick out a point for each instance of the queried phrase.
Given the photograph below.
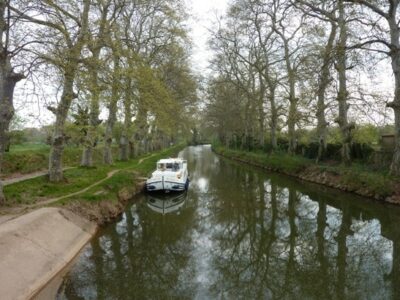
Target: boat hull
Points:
(171, 175)
(166, 185)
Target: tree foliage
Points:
(284, 68)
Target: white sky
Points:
(203, 15)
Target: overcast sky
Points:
(203, 15)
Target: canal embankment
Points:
(37, 246)
(363, 182)
(44, 236)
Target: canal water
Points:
(242, 233)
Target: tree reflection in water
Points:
(244, 234)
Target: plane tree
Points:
(9, 77)
(382, 20)
(62, 29)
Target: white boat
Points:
(171, 175)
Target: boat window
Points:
(169, 165)
(161, 166)
(176, 166)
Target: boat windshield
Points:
(168, 166)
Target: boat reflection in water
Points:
(166, 203)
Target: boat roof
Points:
(170, 160)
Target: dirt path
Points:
(52, 200)
(145, 158)
(13, 212)
(20, 178)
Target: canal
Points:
(242, 233)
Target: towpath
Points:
(14, 212)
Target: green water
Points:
(241, 233)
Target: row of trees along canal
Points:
(127, 57)
(295, 64)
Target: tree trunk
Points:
(93, 65)
(124, 148)
(395, 165)
(274, 117)
(342, 119)
(131, 149)
(112, 114)
(91, 136)
(124, 144)
(292, 124)
(261, 113)
(324, 80)
(395, 105)
(57, 143)
(87, 156)
(73, 55)
(292, 117)
(107, 153)
(8, 80)
(141, 130)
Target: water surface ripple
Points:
(240, 233)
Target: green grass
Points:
(280, 162)
(29, 147)
(28, 158)
(358, 176)
(126, 178)
(34, 190)
(30, 191)
(355, 177)
(107, 190)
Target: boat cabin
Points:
(171, 175)
(169, 165)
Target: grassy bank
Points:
(357, 178)
(28, 158)
(40, 189)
